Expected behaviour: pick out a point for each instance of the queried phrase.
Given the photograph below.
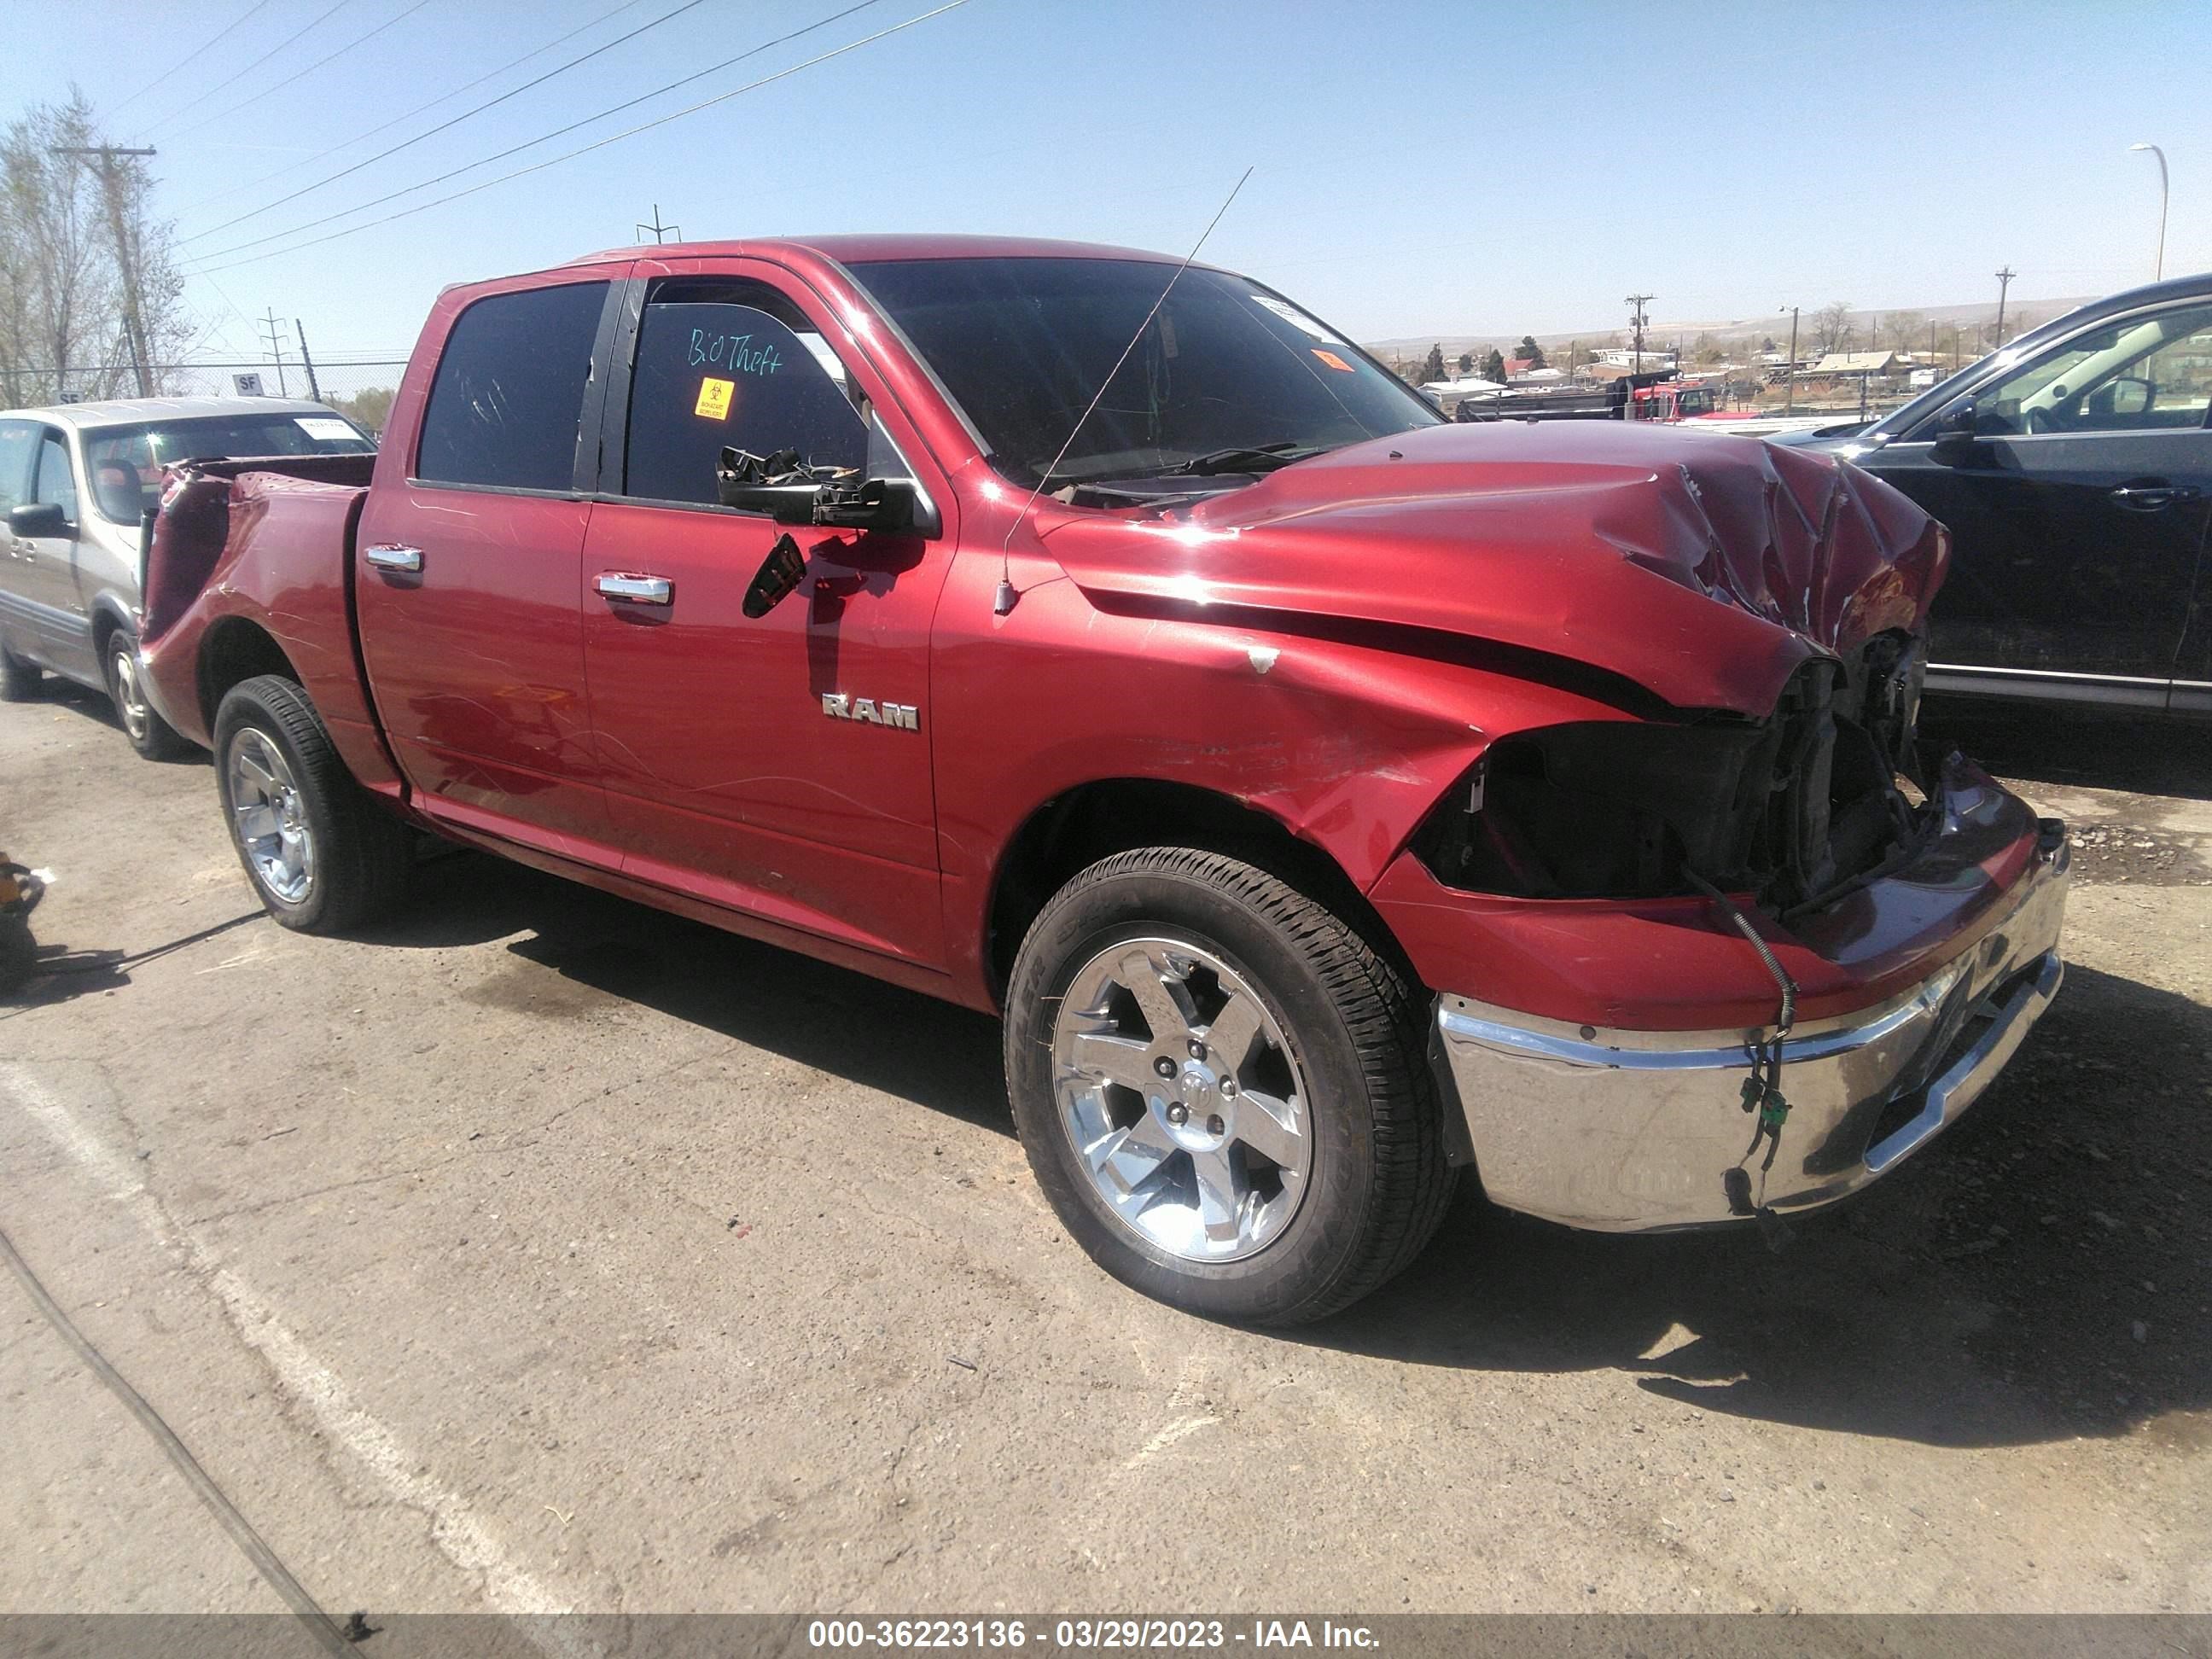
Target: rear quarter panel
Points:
(283, 568)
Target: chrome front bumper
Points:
(1626, 1131)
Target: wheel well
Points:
(1074, 831)
(105, 622)
(236, 650)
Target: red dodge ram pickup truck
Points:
(1330, 796)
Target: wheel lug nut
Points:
(1197, 1050)
(1178, 1114)
(1214, 1125)
(1164, 1066)
(1229, 1088)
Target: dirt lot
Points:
(544, 1252)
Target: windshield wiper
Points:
(1259, 458)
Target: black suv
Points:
(2074, 468)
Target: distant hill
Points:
(1666, 333)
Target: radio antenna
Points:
(1003, 602)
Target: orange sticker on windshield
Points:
(1333, 360)
(714, 398)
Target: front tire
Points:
(1222, 1088)
(323, 855)
(154, 738)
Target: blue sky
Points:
(1420, 169)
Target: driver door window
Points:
(57, 478)
(2139, 374)
(733, 365)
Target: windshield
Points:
(1022, 345)
(125, 462)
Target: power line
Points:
(221, 34)
(542, 138)
(408, 143)
(233, 80)
(299, 75)
(386, 125)
(601, 143)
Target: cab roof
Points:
(856, 250)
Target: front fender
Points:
(1347, 744)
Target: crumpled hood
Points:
(1703, 567)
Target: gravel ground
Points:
(539, 1251)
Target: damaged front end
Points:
(1773, 956)
(1823, 794)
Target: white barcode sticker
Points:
(324, 426)
(1294, 317)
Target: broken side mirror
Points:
(1956, 438)
(783, 569)
(890, 504)
(790, 491)
(781, 485)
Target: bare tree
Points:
(1906, 331)
(1832, 327)
(63, 270)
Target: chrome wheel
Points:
(269, 818)
(1185, 1104)
(130, 700)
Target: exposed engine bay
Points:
(1824, 795)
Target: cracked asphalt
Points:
(539, 1251)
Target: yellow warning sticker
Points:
(1333, 361)
(714, 398)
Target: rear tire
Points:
(154, 738)
(323, 854)
(1263, 1144)
(18, 680)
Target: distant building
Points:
(1626, 357)
(1875, 365)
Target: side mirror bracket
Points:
(1958, 441)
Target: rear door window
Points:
(508, 398)
(732, 364)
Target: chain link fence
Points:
(361, 389)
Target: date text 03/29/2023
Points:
(1074, 1635)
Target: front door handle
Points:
(2154, 494)
(391, 555)
(638, 590)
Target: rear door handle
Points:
(391, 555)
(2151, 495)
(638, 590)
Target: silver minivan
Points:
(76, 482)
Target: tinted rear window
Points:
(510, 390)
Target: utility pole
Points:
(1635, 318)
(126, 256)
(2158, 267)
(273, 334)
(313, 390)
(1790, 371)
(2004, 281)
(660, 233)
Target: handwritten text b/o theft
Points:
(734, 352)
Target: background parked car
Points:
(2074, 470)
(74, 483)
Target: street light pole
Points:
(2158, 268)
(1790, 370)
